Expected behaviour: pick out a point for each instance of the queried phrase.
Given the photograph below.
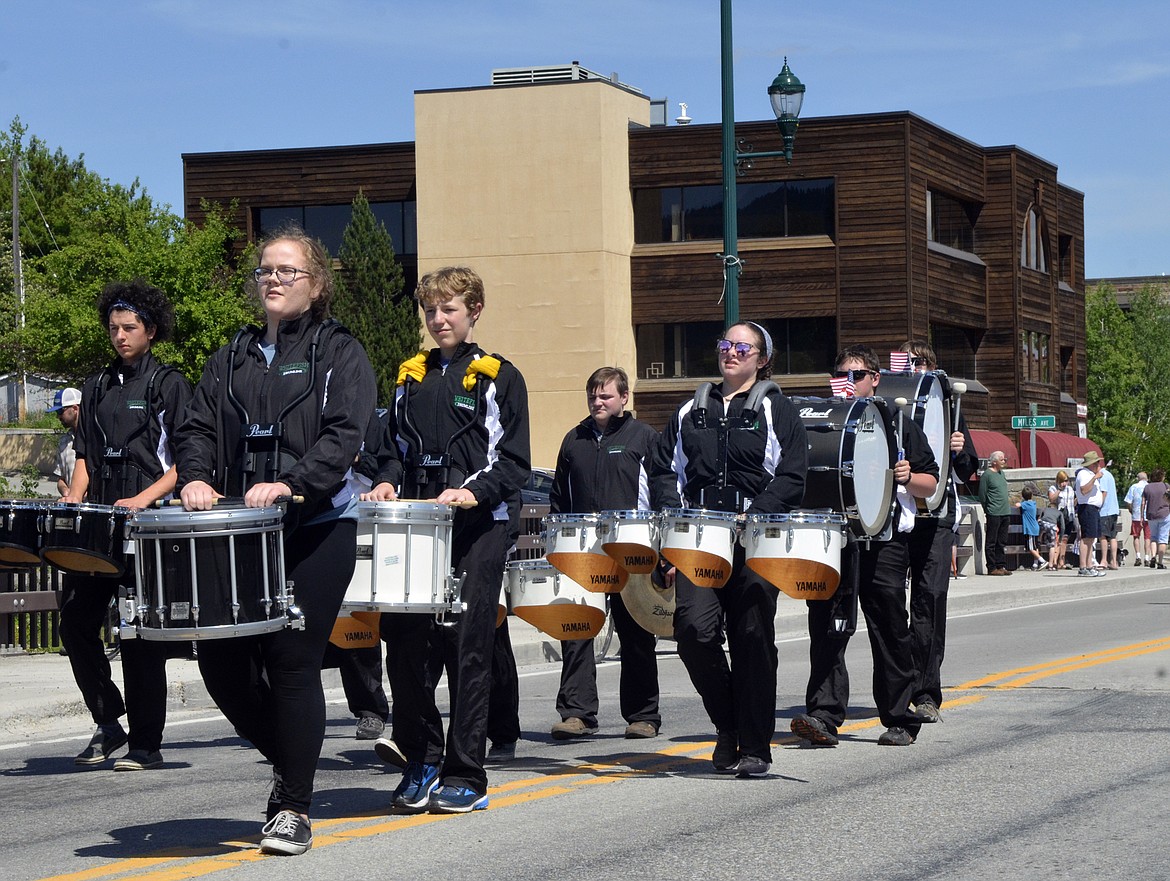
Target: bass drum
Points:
(928, 395)
(851, 456)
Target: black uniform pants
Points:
(740, 696)
(85, 604)
(269, 686)
(930, 578)
(361, 678)
(417, 646)
(882, 595)
(638, 688)
(503, 724)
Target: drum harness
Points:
(116, 461)
(722, 497)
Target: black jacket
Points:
(320, 436)
(482, 432)
(604, 473)
(766, 458)
(134, 409)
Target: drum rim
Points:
(155, 520)
(572, 518)
(942, 458)
(35, 504)
(629, 514)
(90, 507)
(801, 516)
(697, 514)
(404, 507)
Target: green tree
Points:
(1127, 358)
(89, 232)
(370, 301)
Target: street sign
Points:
(1019, 422)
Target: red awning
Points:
(1054, 449)
(987, 442)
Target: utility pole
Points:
(17, 276)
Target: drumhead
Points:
(404, 511)
(176, 521)
(929, 396)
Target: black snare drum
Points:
(210, 574)
(851, 456)
(86, 538)
(21, 531)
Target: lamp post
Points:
(786, 94)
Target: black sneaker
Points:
(726, 754)
(139, 760)
(288, 833)
(369, 727)
(751, 766)
(501, 752)
(389, 752)
(927, 710)
(100, 747)
(816, 731)
(896, 737)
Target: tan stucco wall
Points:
(530, 187)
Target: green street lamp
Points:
(786, 94)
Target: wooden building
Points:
(597, 236)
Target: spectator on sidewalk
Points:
(1031, 528)
(67, 406)
(1157, 507)
(1062, 495)
(1090, 498)
(993, 495)
(1139, 526)
(1110, 511)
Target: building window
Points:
(952, 346)
(327, 223)
(668, 351)
(1034, 241)
(951, 221)
(770, 209)
(1067, 267)
(1034, 356)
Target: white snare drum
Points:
(799, 552)
(929, 396)
(700, 543)
(851, 456)
(572, 544)
(631, 538)
(209, 574)
(552, 602)
(403, 559)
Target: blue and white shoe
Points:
(456, 800)
(414, 792)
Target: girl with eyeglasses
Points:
(718, 454)
(280, 412)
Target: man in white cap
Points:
(67, 406)
(1090, 497)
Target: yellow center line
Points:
(196, 862)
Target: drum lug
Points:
(296, 619)
(77, 524)
(789, 539)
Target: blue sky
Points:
(133, 84)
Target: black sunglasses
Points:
(854, 374)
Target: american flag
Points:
(843, 387)
(899, 362)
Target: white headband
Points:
(767, 338)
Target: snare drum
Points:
(87, 538)
(210, 574)
(631, 538)
(552, 602)
(21, 529)
(851, 456)
(573, 545)
(929, 394)
(403, 559)
(700, 543)
(799, 552)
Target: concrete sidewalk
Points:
(38, 696)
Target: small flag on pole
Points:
(842, 387)
(900, 362)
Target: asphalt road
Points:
(1052, 761)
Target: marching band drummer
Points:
(930, 547)
(881, 580)
(282, 411)
(603, 466)
(732, 461)
(461, 422)
(124, 448)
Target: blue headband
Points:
(123, 306)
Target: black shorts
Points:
(1089, 517)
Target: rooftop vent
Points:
(556, 73)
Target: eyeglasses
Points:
(915, 361)
(852, 375)
(284, 274)
(741, 349)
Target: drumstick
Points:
(461, 503)
(958, 389)
(162, 503)
(900, 403)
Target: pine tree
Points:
(370, 300)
